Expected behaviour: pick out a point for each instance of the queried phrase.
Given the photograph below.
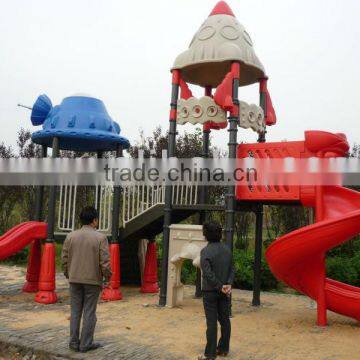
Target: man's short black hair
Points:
(88, 215)
(212, 231)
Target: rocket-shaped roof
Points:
(220, 40)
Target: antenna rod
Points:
(25, 106)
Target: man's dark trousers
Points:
(83, 302)
(217, 308)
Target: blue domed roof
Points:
(80, 122)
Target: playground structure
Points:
(220, 59)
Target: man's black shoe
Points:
(93, 346)
(204, 357)
(222, 353)
(74, 348)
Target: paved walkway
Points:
(50, 340)
(137, 329)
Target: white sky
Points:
(121, 52)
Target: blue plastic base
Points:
(81, 140)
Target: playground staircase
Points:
(143, 209)
(150, 223)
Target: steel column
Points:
(203, 196)
(204, 189)
(203, 200)
(233, 124)
(263, 90)
(39, 195)
(98, 197)
(258, 254)
(46, 293)
(230, 203)
(116, 205)
(52, 197)
(259, 215)
(168, 188)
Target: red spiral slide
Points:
(298, 258)
(20, 236)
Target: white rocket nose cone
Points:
(220, 40)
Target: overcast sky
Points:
(121, 52)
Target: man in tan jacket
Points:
(86, 264)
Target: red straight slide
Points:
(20, 236)
(298, 258)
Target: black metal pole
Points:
(259, 216)
(203, 200)
(230, 196)
(168, 189)
(258, 254)
(39, 195)
(204, 189)
(263, 85)
(205, 155)
(116, 204)
(52, 197)
(98, 187)
(230, 204)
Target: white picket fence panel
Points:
(136, 200)
(67, 211)
(67, 208)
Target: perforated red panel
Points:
(253, 191)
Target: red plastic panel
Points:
(316, 144)
(295, 149)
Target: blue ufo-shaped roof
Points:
(81, 123)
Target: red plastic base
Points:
(30, 287)
(150, 288)
(113, 293)
(33, 269)
(321, 323)
(47, 294)
(110, 294)
(46, 297)
(150, 284)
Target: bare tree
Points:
(9, 195)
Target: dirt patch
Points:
(282, 328)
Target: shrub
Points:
(188, 273)
(343, 269)
(19, 258)
(244, 275)
(355, 261)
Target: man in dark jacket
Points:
(217, 278)
(86, 263)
